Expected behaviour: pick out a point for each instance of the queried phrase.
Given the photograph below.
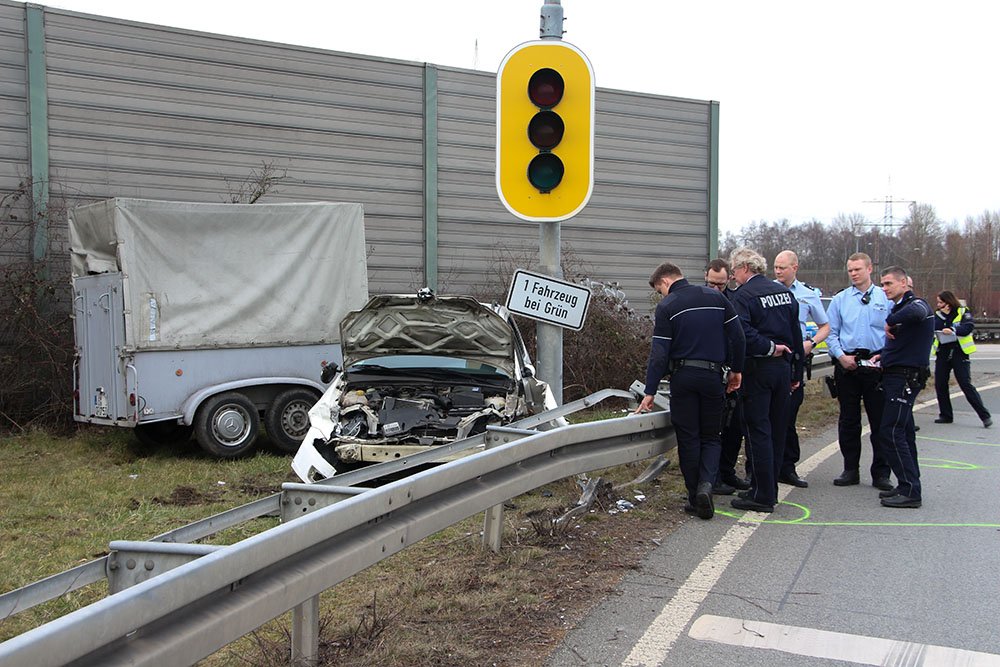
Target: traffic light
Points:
(545, 131)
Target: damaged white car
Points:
(420, 371)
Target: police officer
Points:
(717, 276)
(955, 321)
(695, 334)
(909, 330)
(857, 334)
(770, 317)
(786, 268)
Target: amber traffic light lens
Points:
(546, 130)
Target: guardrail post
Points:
(493, 522)
(297, 500)
(305, 633)
(493, 528)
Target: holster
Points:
(728, 409)
(831, 385)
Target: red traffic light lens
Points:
(545, 88)
(545, 171)
(545, 130)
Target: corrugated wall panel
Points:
(650, 200)
(15, 237)
(148, 111)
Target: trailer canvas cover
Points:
(226, 275)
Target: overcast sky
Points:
(824, 106)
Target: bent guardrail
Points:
(57, 585)
(201, 605)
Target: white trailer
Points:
(214, 319)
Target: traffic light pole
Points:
(549, 336)
(552, 20)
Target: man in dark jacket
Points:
(770, 317)
(717, 276)
(909, 331)
(695, 335)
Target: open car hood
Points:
(447, 326)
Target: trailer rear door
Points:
(102, 374)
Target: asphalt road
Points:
(831, 577)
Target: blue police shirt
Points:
(855, 325)
(770, 315)
(810, 307)
(693, 322)
(912, 325)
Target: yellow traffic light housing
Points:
(545, 131)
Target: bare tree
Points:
(259, 182)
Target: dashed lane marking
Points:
(814, 643)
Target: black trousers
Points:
(696, 396)
(792, 451)
(766, 386)
(896, 432)
(854, 388)
(951, 358)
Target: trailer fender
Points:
(196, 399)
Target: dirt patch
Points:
(186, 496)
(258, 485)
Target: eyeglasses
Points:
(866, 298)
(717, 285)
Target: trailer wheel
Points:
(161, 434)
(226, 426)
(287, 418)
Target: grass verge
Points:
(443, 601)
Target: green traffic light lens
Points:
(546, 129)
(545, 88)
(545, 171)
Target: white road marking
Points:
(661, 635)
(834, 645)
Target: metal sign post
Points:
(549, 336)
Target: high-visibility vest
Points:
(965, 342)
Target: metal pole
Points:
(552, 20)
(550, 337)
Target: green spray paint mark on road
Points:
(807, 513)
(948, 465)
(958, 442)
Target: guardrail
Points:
(986, 332)
(177, 603)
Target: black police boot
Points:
(847, 478)
(703, 501)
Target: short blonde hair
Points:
(862, 257)
(751, 259)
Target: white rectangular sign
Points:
(548, 299)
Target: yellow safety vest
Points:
(965, 342)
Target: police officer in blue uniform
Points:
(909, 330)
(786, 268)
(695, 334)
(857, 333)
(770, 318)
(718, 277)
